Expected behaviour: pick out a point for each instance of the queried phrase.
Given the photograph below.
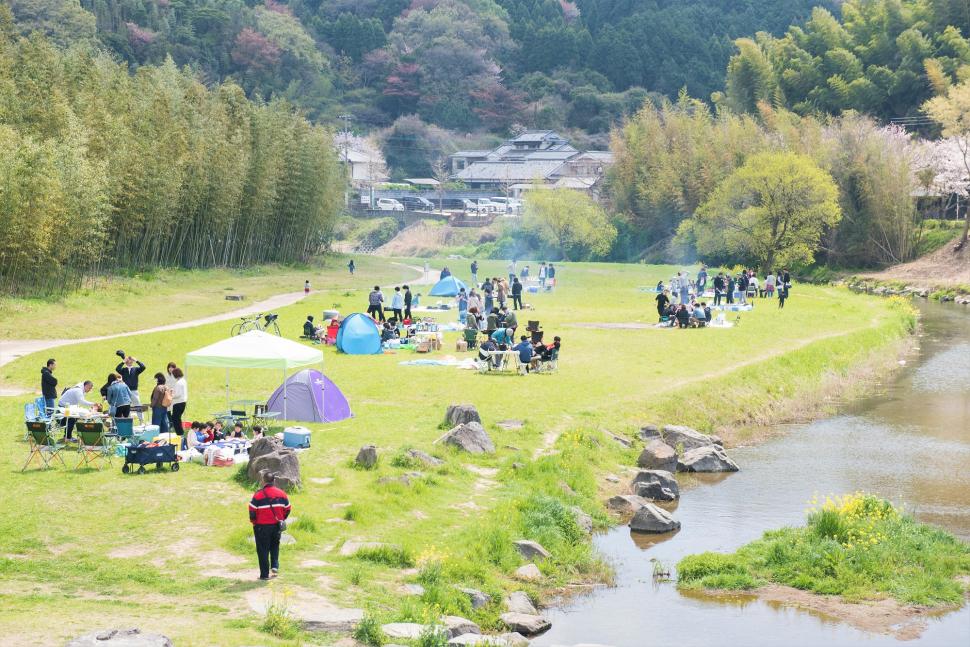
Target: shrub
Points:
(278, 621)
(368, 631)
(389, 555)
(697, 569)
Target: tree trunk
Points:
(966, 226)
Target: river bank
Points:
(906, 441)
(454, 524)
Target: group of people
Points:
(200, 433)
(727, 288)
(531, 354)
(693, 314)
(121, 395)
(401, 302)
(546, 273)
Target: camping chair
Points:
(42, 444)
(238, 415)
(331, 338)
(125, 428)
(471, 337)
(92, 447)
(552, 364)
(532, 326)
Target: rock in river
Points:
(525, 624)
(655, 485)
(658, 455)
(706, 459)
(626, 503)
(650, 518)
(685, 438)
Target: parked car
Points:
(417, 203)
(482, 205)
(389, 204)
(507, 205)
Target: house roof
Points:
(536, 136)
(523, 171)
(354, 157)
(470, 153)
(581, 183)
(422, 181)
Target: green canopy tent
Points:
(255, 349)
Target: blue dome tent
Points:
(447, 287)
(358, 335)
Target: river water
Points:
(909, 443)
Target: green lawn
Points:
(102, 549)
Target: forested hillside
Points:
(459, 64)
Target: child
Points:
(237, 430)
(257, 432)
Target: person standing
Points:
(445, 273)
(74, 397)
(551, 275)
(516, 293)
(48, 386)
(782, 294)
(474, 269)
(129, 370)
(268, 511)
(663, 300)
(306, 288)
(375, 304)
(511, 269)
(701, 281)
(502, 292)
(407, 303)
(180, 397)
(351, 266)
(524, 274)
(462, 299)
(684, 283)
(161, 400)
(510, 321)
(542, 274)
(397, 304)
(118, 397)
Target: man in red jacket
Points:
(268, 510)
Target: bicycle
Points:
(259, 321)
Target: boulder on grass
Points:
(583, 520)
(470, 437)
(649, 432)
(685, 438)
(529, 573)
(626, 503)
(531, 549)
(269, 455)
(457, 626)
(421, 457)
(519, 602)
(366, 457)
(706, 459)
(525, 624)
(655, 485)
(476, 597)
(658, 455)
(459, 414)
(650, 518)
(120, 638)
(405, 630)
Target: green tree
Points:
(568, 222)
(952, 112)
(772, 210)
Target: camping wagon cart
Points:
(148, 454)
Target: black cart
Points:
(142, 456)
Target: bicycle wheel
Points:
(246, 326)
(235, 329)
(276, 330)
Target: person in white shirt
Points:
(753, 285)
(397, 304)
(770, 285)
(180, 397)
(74, 397)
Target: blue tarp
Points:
(358, 335)
(447, 287)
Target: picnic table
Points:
(500, 360)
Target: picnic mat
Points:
(448, 360)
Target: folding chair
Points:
(532, 326)
(42, 445)
(552, 364)
(471, 337)
(92, 447)
(125, 428)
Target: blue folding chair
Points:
(125, 428)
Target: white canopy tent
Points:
(255, 349)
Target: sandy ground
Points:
(942, 268)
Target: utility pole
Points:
(346, 119)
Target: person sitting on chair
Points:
(237, 431)
(698, 319)
(485, 350)
(683, 316)
(524, 348)
(74, 396)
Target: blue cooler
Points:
(296, 437)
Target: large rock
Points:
(583, 520)
(505, 640)
(658, 455)
(706, 459)
(519, 602)
(120, 638)
(686, 439)
(655, 485)
(626, 503)
(457, 626)
(476, 597)
(269, 455)
(531, 549)
(405, 630)
(366, 457)
(649, 432)
(459, 414)
(525, 624)
(650, 518)
(470, 437)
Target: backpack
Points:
(167, 397)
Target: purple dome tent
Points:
(310, 397)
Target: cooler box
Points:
(145, 433)
(296, 437)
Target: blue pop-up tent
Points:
(447, 287)
(358, 335)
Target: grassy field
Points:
(856, 546)
(170, 552)
(108, 305)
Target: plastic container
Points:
(298, 437)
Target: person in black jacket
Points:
(407, 303)
(516, 293)
(48, 385)
(129, 370)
